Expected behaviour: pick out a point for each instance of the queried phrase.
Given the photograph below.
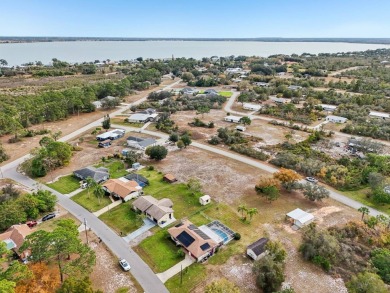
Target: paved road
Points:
(143, 274)
(263, 166)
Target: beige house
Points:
(121, 189)
(14, 237)
(159, 211)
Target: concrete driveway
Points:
(148, 224)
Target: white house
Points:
(234, 119)
(336, 119)
(257, 249)
(140, 143)
(300, 218)
(142, 117)
(252, 107)
(234, 70)
(277, 100)
(262, 84)
(204, 200)
(159, 211)
(379, 115)
(294, 87)
(329, 108)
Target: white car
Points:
(311, 180)
(124, 264)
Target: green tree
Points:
(242, 208)
(222, 286)
(98, 191)
(251, 212)
(380, 258)
(62, 242)
(90, 184)
(276, 251)
(315, 192)
(180, 144)
(364, 211)
(245, 120)
(106, 124)
(157, 152)
(56, 135)
(202, 110)
(186, 140)
(268, 188)
(243, 98)
(174, 137)
(72, 285)
(194, 185)
(366, 283)
(3, 155)
(269, 274)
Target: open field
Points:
(90, 201)
(65, 184)
(122, 219)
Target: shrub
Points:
(237, 236)
(150, 168)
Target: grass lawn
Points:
(159, 251)
(52, 224)
(120, 121)
(361, 196)
(115, 167)
(191, 277)
(91, 202)
(65, 184)
(184, 202)
(122, 219)
(225, 94)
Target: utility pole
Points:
(86, 232)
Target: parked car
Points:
(311, 180)
(124, 264)
(31, 223)
(240, 128)
(48, 217)
(84, 185)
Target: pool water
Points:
(221, 234)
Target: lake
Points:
(80, 51)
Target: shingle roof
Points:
(156, 208)
(258, 247)
(144, 142)
(121, 188)
(187, 234)
(137, 177)
(97, 174)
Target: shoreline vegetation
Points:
(15, 39)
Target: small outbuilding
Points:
(234, 119)
(104, 144)
(300, 218)
(204, 200)
(257, 249)
(336, 119)
(251, 107)
(169, 178)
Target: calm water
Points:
(19, 53)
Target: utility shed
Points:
(300, 218)
(234, 119)
(204, 200)
(257, 250)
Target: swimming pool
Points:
(221, 234)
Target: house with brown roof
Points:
(169, 178)
(159, 211)
(14, 238)
(124, 190)
(196, 242)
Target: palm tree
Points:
(251, 212)
(242, 208)
(90, 183)
(364, 211)
(98, 191)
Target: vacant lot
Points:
(65, 184)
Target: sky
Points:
(196, 18)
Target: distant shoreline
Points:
(10, 40)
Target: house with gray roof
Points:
(159, 211)
(140, 143)
(257, 249)
(97, 174)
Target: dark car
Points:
(48, 217)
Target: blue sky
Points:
(196, 18)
